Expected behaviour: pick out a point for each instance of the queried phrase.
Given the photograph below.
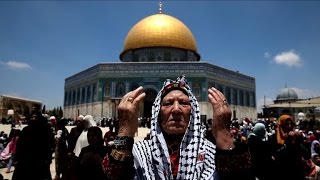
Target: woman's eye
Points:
(185, 103)
(167, 103)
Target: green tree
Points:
(60, 112)
(54, 112)
(10, 106)
(44, 109)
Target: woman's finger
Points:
(217, 97)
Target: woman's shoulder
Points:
(142, 144)
(209, 145)
(142, 149)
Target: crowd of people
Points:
(77, 154)
(178, 146)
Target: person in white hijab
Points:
(83, 140)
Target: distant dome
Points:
(287, 94)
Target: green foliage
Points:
(44, 109)
(57, 112)
(60, 112)
(10, 106)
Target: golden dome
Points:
(160, 30)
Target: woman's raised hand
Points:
(221, 119)
(128, 112)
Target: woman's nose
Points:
(176, 106)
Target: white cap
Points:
(81, 117)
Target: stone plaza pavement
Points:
(142, 132)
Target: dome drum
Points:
(159, 54)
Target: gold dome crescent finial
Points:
(160, 7)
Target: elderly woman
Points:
(177, 148)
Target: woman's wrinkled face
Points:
(175, 112)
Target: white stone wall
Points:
(246, 112)
(90, 109)
(107, 109)
(94, 109)
(242, 112)
(206, 109)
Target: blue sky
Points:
(44, 42)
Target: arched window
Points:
(234, 96)
(247, 99)
(94, 92)
(220, 88)
(227, 94)
(252, 99)
(88, 94)
(74, 97)
(143, 58)
(120, 90)
(66, 98)
(106, 89)
(241, 94)
(70, 98)
(196, 88)
(211, 84)
(78, 96)
(133, 86)
(83, 95)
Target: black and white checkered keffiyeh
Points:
(152, 160)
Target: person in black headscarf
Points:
(260, 152)
(109, 137)
(72, 140)
(91, 156)
(61, 150)
(34, 150)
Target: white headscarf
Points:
(196, 156)
(80, 117)
(82, 140)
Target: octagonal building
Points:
(156, 48)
